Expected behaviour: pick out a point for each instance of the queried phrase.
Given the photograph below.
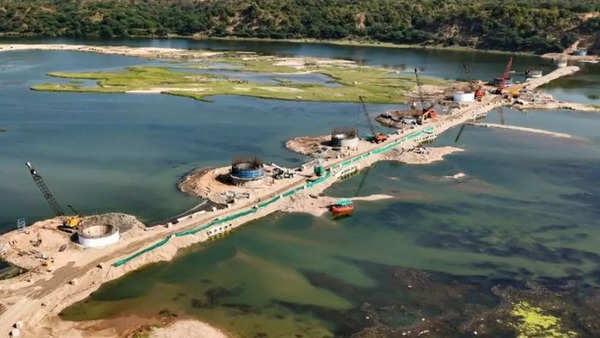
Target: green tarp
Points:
(139, 253)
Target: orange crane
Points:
(505, 76)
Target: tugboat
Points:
(343, 207)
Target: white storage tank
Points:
(97, 235)
(344, 138)
(464, 97)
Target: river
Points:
(528, 207)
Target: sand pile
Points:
(308, 145)
(187, 328)
(421, 155)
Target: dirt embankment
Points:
(61, 272)
(187, 328)
(307, 145)
(144, 52)
(422, 155)
(567, 54)
(215, 184)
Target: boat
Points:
(343, 207)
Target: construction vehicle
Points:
(72, 221)
(426, 113)
(475, 85)
(376, 137)
(513, 91)
(479, 93)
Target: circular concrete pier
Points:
(97, 235)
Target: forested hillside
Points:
(518, 25)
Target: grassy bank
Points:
(377, 85)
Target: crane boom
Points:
(376, 137)
(420, 90)
(506, 74)
(48, 196)
(364, 108)
(75, 212)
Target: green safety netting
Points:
(272, 200)
(139, 253)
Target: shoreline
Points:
(361, 43)
(333, 42)
(38, 296)
(354, 80)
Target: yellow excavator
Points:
(73, 221)
(513, 91)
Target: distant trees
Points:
(529, 25)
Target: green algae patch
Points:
(534, 323)
(377, 85)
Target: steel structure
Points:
(376, 137)
(48, 196)
(506, 74)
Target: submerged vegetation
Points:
(375, 84)
(523, 25)
(534, 323)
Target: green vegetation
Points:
(375, 84)
(515, 25)
(141, 335)
(534, 323)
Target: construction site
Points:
(105, 247)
